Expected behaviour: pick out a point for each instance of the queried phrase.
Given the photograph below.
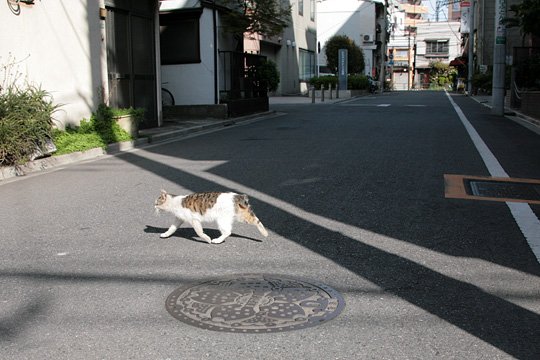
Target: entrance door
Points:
(131, 59)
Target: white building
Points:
(84, 53)
(416, 42)
(294, 51)
(356, 19)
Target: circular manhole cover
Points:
(255, 304)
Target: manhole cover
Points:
(503, 189)
(255, 304)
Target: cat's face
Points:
(161, 201)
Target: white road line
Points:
(525, 218)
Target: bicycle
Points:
(15, 7)
(167, 98)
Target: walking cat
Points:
(198, 208)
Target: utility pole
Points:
(470, 68)
(499, 59)
(382, 73)
(409, 67)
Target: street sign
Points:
(343, 68)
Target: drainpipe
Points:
(382, 75)
(216, 54)
(499, 60)
(470, 65)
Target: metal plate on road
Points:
(492, 188)
(504, 189)
(255, 304)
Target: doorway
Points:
(131, 58)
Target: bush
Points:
(72, 140)
(25, 123)
(355, 56)
(101, 130)
(482, 81)
(354, 82)
(326, 80)
(358, 82)
(268, 73)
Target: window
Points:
(401, 53)
(307, 64)
(179, 38)
(312, 10)
(437, 47)
(301, 7)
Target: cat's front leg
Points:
(225, 227)
(199, 230)
(172, 228)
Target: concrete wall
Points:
(301, 34)
(193, 84)
(353, 18)
(437, 31)
(57, 45)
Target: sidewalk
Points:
(529, 122)
(170, 129)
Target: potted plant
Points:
(129, 119)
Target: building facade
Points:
(294, 51)
(84, 53)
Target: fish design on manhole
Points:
(255, 304)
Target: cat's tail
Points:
(246, 214)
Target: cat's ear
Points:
(163, 192)
(243, 201)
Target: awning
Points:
(459, 61)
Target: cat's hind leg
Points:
(172, 228)
(199, 230)
(225, 226)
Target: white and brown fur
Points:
(196, 209)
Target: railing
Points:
(239, 78)
(525, 74)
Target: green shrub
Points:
(25, 123)
(326, 80)
(357, 82)
(73, 140)
(101, 130)
(268, 73)
(482, 81)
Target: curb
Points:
(116, 148)
(522, 119)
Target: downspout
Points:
(216, 54)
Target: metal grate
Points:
(255, 304)
(504, 189)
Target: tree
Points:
(526, 17)
(355, 56)
(268, 74)
(265, 17)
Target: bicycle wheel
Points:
(167, 98)
(14, 6)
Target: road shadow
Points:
(506, 326)
(188, 234)
(16, 323)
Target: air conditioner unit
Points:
(368, 38)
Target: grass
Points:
(71, 141)
(99, 131)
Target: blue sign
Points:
(343, 68)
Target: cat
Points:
(195, 209)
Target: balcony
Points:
(415, 9)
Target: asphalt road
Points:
(352, 194)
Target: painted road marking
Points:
(525, 218)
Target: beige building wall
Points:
(56, 45)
